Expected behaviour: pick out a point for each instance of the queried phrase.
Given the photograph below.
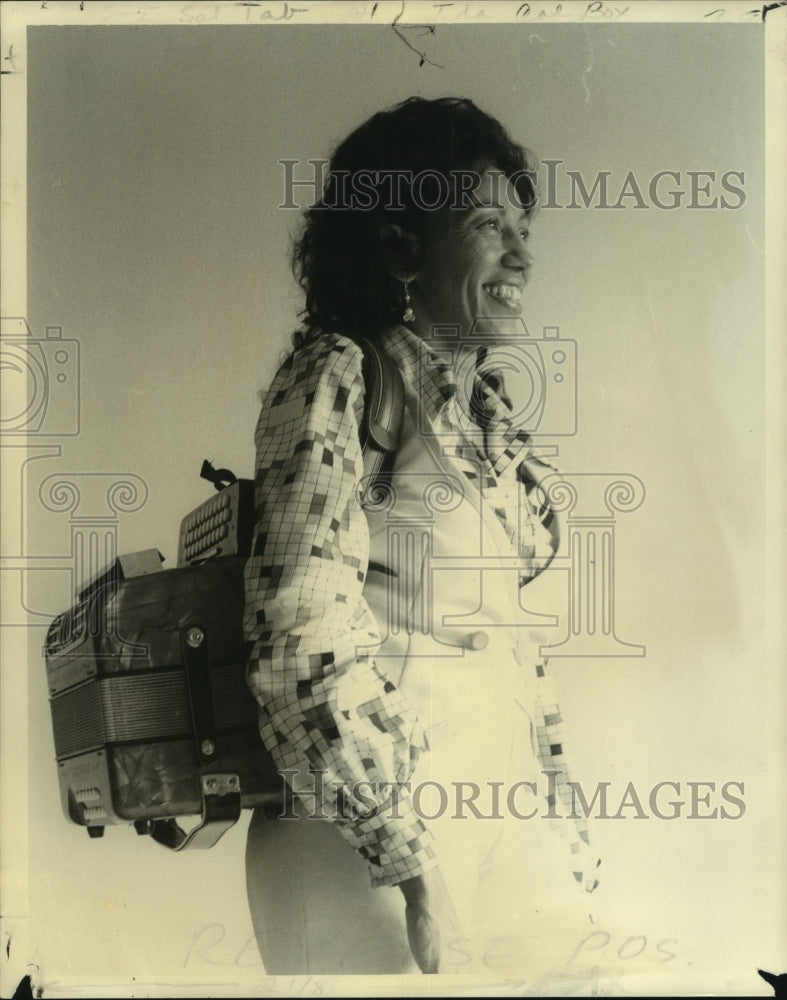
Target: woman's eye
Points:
(495, 226)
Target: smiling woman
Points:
(474, 262)
(355, 251)
(389, 647)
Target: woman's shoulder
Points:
(329, 355)
(325, 367)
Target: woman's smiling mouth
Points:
(508, 295)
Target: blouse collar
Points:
(433, 378)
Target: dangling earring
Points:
(409, 315)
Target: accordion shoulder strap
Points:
(383, 416)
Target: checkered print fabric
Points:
(505, 466)
(327, 713)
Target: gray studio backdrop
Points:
(156, 241)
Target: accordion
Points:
(151, 713)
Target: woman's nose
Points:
(516, 255)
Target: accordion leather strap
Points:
(383, 418)
(221, 792)
(194, 651)
(221, 809)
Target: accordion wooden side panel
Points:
(125, 740)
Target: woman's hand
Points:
(430, 918)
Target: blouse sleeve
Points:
(328, 715)
(538, 550)
(554, 760)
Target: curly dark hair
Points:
(339, 259)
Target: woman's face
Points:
(475, 263)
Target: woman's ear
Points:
(401, 251)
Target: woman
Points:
(396, 677)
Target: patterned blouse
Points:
(325, 709)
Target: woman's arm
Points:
(325, 706)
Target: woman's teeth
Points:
(506, 293)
